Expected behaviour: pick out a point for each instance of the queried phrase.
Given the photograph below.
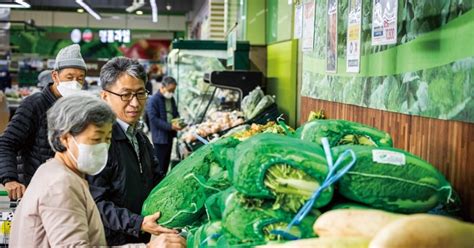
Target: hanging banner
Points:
(331, 43)
(384, 22)
(353, 36)
(308, 26)
(298, 21)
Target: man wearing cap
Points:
(26, 134)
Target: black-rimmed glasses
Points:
(142, 95)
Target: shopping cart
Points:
(7, 208)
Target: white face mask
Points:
(91, 159)
(168, 95)
(68, 88)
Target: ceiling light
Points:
(135, 5)
(88, 9)
(168, 7)
(16, 4)
(154, 11)
(139, 12)
(80, 10)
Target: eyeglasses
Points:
(142, 95)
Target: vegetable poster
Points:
(429, 72)
(353, 36)
(331, 42)
(308, 26)
(298, 21)
(384, 22)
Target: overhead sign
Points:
(111, 35)
(76, 35)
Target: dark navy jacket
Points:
(120, 189)
(156, 110)
(27, 136)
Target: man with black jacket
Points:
(131, 171)
(26, 134)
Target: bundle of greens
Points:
(271, 166)
(250, 102)
(252, 221)
(341, 132)
(206, 235)
(189, 184)
(393, 180)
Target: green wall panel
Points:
(279, 21)
(428, 72)
(255, 22)
(281, 77)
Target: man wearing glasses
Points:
(131, 171)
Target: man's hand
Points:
(176, 127)
(15, 190)
(167, 240)
(150, 225)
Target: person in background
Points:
(26, 135)
(4, 112)
(154, 75)
(5, 79)
(57, 209)
(44, 79)
(131, 171)
(161, 110)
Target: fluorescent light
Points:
(88, 9)
(80, 10)
(135, 5)
(139, 12)
(22, 3)
(154, 11)
(17, 4)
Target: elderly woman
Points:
(57, 208)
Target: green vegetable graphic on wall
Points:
(428, 72)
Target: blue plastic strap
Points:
(333, 175)
(204, 141)
(212, 236)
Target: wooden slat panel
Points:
(445, 144)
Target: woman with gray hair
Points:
(57, 209)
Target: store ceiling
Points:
(116, 6)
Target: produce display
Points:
(275, 166)
(341, 132)
(255, 103)
(254, 129)
(394, 180)
(15, 96)
(221, 121)
(245, 189)
(422, 230)
(384, 229)
(354, 222)
(184, 186)
(253, 221)
(323, 242)
(216, 122)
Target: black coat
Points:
(156, 111)
(27, 136)
(120, 189)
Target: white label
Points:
(388, 157)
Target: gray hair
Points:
(119, 66)
(168, 80)
(73, 114)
